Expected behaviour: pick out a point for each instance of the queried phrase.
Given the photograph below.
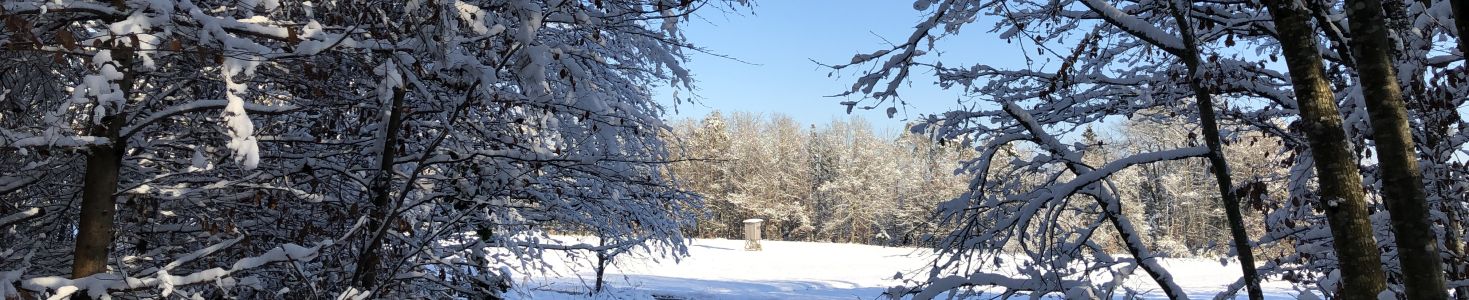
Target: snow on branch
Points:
(55, 141)
(1081, 181)
(199, 105)
(573, 247)
(28, 213)
(58, 6)
(98, 285)
(1137, 27)
(1112, 207)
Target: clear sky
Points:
(778, 40)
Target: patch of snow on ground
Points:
(720, 269)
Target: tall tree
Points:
(1453, 240)
(1402, 181)
(365, 276)
(561, 133)
(1336, 167)
(1081, 74)
(1461, 23)
(1204, 100)
(95, 224)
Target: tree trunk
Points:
(1205, 101)
(94, 228)
(1402, 181)
(1455, 246)
(1336, 166)
(1461, 11)
(366, 274)
(95, 225)
(1454, 241)
(602, 260)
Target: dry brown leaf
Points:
(66, 39)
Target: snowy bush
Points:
(329, 149)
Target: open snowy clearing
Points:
(721, 269)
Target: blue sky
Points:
(778, 40)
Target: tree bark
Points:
(602, 259)
(1402, 181)
(95, 224)
(1461, 11)
(1336, 166)
(1204, 99)
(94, 228)
(367, 264)
(1455, 243)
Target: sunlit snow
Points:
(722, 269)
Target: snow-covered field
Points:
(721, 269)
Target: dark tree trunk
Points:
(1402, 181)
(95, 224)
(1461, 11)
(1454, 244)
(1455, 241)
(94, 228)
(602, 259)
(1336, 165)
(367, 264)
(1204, 99)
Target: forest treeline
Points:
(834, 182)
(844, 181)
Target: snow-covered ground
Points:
(721, 269)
